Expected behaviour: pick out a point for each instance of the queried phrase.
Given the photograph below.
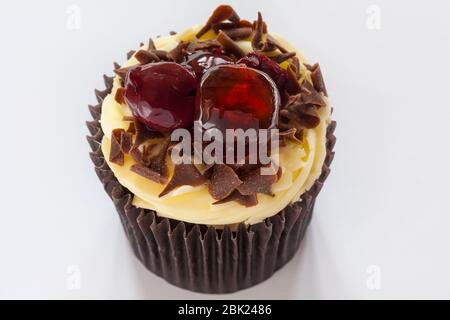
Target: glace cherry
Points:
(161, 95)
(236, 96)
(201, 61)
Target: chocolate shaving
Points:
(255, 182)
(127, 118)
(184, 174)
(292, 134)
(131, 127)
(229, 45)
(223, 182)
(148, 173)
(158, 161)
(301, 114)
(310, 95)
(238, 33)
(116, 154)
(119, 96)
(126, 141)
(283, 57)
(295, 64)
(220, 14)
(272, 42)
(245, 200)
(172, 33)
(317, 79)
(130, 54)
(136, 154)
(144, 56)
(151, 44)
(177, 53)
(257, 40)
(292, 84)
(122, 72)
(143, 134)
(161, 54)
(245, 24)
(203, 45)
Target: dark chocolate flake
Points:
(116, 154)
(119, 96)
(257, 40)
(238, 33)
(245, 200)
(177, 53)
(151, 44)
(184, 174)
(148, 173)
(317, 79)
(256, 182)
(144, 56)
(126, 141)
(283, 57)
(229, 45)
(272, 42)
(223, 182)
(220, 14)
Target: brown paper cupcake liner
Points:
(198, 257)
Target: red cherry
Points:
(201, 61)
(261, 62)
(161, 95)
(235, 96)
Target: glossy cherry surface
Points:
(201, 61)
(162, 95)
(236, 96)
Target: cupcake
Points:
(213, 144)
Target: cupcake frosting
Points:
(300, 160)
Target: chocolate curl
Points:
(292, 134)
(292, 84)
(317, 79)
(245, 200)
(223, 182)
(176, 54)
(283, 57)
(255, 182)
(302, 115)
(151, 45)
(119, 96)
(148, 173)
(238, 33)
(203, 45)
(295, 64)
(122, 72)
(144, 57)
(220, 14)
(257, 41)
(311, 96)
(229, 45)
(126, 141)
(271, 42)
(184, 174)
(116, 154)
(158, 161)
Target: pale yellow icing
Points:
(301, 163)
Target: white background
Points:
(385, 204)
